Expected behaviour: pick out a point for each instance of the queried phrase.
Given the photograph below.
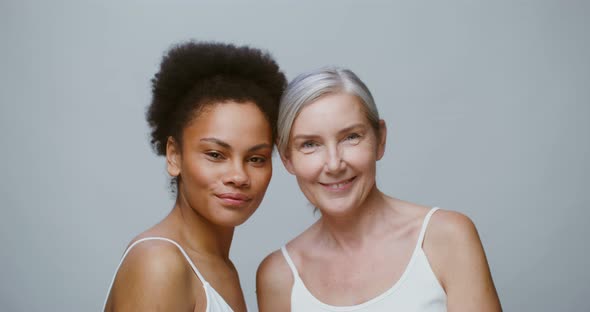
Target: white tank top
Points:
(417, 290)
(215, 303)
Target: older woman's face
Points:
(333, 152)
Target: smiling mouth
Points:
(339, 185)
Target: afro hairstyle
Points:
(195, 74)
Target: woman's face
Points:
(225, 163)
(333, 152)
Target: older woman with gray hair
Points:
(368, 252)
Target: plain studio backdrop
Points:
(487, 106)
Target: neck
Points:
(200, 234)
(353, 230)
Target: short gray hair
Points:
(309, 87)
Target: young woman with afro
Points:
(213, 116)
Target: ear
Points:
(382, 139)
(173, 157)
(287, 162)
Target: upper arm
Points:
(154, 276)
(457, 256)
(274, 281)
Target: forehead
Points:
(334, 111)
(230, 121)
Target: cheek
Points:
(200, 172)
(362, 155)
(261, 177)
(308, 167)
(362, 158)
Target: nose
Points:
(237, 175)
(334, 161)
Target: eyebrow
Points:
(347, 129)
(350, 128)
(227, 146)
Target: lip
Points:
(339, 186)
(233, 199)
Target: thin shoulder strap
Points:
(148, 239)
(424, 226)
(290, 262)
(179, 248)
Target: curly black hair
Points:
(194, 74)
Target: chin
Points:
(232, 218)
(229, 222)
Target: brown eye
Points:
(214, 155)
(258, 160)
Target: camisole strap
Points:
(155, 238)
(424, 226)
(290, 262)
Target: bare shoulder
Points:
(450, 235)
(153, 273)
(162, 259)
(275, 271)
(457, 258)
(451, 227)
(274, 278)
(274, 281)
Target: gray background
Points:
(487, 105)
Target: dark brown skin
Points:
(216, 161)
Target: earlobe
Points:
(172, 157)
(382, 139)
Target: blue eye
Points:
(308, 147)
(353, 138)
(308, 144)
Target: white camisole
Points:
(215, 303)
(417, 290)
